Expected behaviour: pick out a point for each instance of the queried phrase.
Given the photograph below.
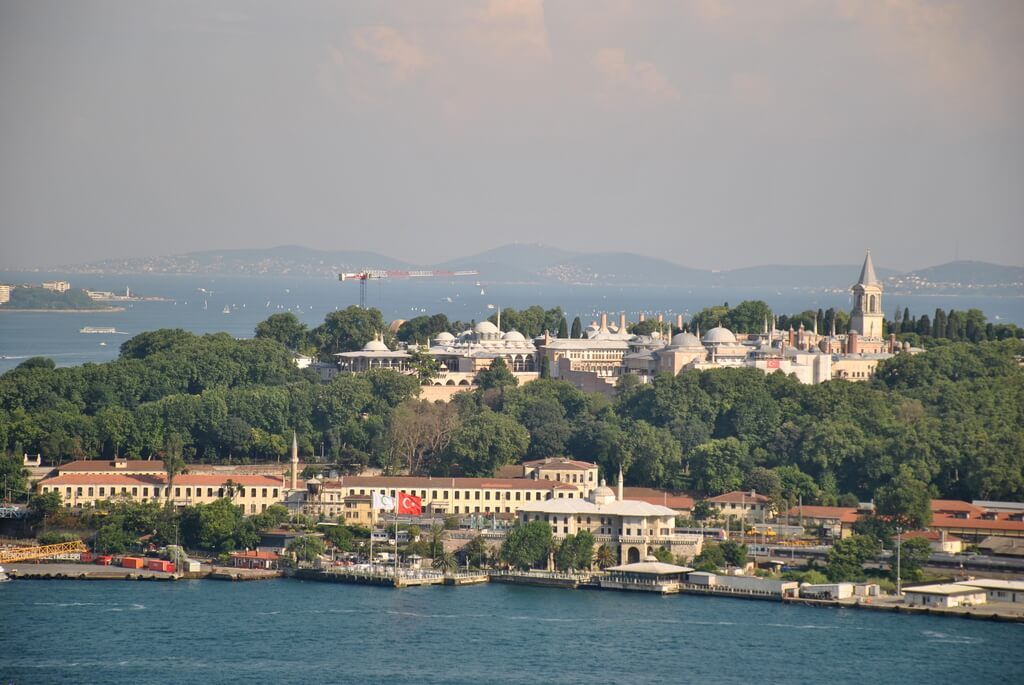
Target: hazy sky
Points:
(715, 133)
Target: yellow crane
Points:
(13, 554)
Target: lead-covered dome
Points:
(720, 335)
(375, 346)
(685, 339)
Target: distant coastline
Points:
(63, 311)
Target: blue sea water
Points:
(252, 299)
(290, 631)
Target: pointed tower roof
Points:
(867, 272)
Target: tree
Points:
(664, 556)
(715, 465)
(347, 330)
(272, 517)
(284, 328)
(847, 557)
(563, 328)
(418, 432)
(711, 558)
(913, 555)
(435, 540)
(112, 539)
(425, 366)
(764, 481)
(174, 464)
(306, 548)
(474, 552)
(218, 527)
(605, 557)
(484, 442)
(734, 553)
(444, 562)
(497, 375)
(702, 511)
(545, 366)
(576, 553)
(13, 477)
(44, 505)
(527, 545)
(905, 500)
(577, 328)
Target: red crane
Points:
(377, 274)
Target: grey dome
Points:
(720, 335)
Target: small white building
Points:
(945, 596)
(999, 590)
(826, 590)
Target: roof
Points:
(255, 554)
(561, 464)
(654, 568)
(841, 514)
(719, 334)
(942, 589)
(929, 535)
(740, 497)
(991, 505)
(867, 272)
(686, 339)
(672, 500)
(956, 506)
(995, 584)
(451, 483)
(573, 507)
(98, 465)
(509, 471)
(951, 522)
(159, 479)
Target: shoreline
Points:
(88, 572)
(64, 311)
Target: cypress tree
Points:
(908, 323)
(545, 366)
(577, 328)
(563, 329)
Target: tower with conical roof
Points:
(866, 317)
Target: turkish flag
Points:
(409, 504)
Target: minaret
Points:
(620, 482)
(295, 461)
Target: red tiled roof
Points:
(955, 506)
(97, 465)
(510, 471)
(950, 522)
(929, 535)
(672, 500)
(158, 479)
(841, 514)
(423, 483)
(255, 554)
(739, 497)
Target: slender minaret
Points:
(295, 461)
(620, 482)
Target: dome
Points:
(514, 336)
(602, 494)
(375, 346)
(720, 335)
(444, 336)
(485, 327)
(685, 339)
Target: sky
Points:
(713, 133)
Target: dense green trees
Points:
(847, 557)
(942, 423)
(527, 545)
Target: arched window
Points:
(871, 304)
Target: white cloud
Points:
(636, 76)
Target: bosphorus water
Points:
(291, 631)
(200, 301)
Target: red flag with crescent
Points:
(409, 504)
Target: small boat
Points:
(3, 576)
(103, 344)
(227, 309)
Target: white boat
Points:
(3, 575)
(97, 329)
(227, 309)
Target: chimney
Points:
(622, 322)
(852, 343)
(679, 321)
(643, 317)
(661, 318)
(604, 322)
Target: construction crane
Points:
(378, 274)
(13, 554)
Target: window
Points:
(253, 494)
(188, 492)
(275, 493)
(476, 495)
(528, 497)
(433, 494)
(264, 492)
(457, 494)
(90, 492)
(101, 491)
(177, 492)
(135, 492)
(518, 494)
(487, 494)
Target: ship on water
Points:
(97, 329)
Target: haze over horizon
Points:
(713, 133)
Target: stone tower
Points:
(866, 317)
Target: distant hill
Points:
(970, 273)
(536, 263)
